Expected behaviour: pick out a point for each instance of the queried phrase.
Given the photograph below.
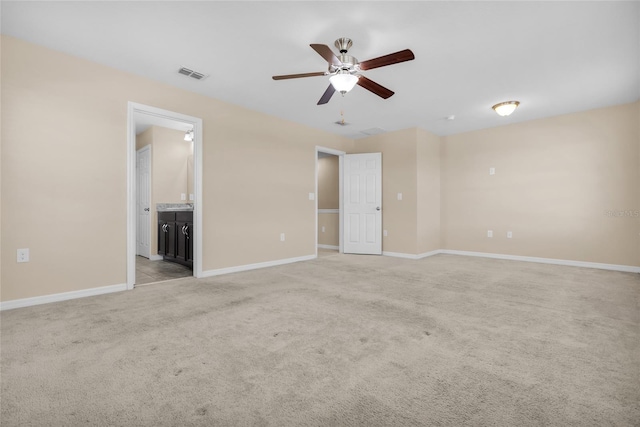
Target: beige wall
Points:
(331, 234)
(64, 127)
(328, 198)
(555, 180)
(328, 182)
(428, 204)
(171, 175)
(64, 123)
(170, 156)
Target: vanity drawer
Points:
(166, 216)
(184, 216)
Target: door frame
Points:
(340, 155)
(145, 148)
(134, 108)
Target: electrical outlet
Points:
(492, 171)
(509, 235)
(282, 237)
(23, 255)
(399, 196)
(489, 233)
(384, 233)
(312, 196)
(183, 196)
(191, 197)
(323, 228)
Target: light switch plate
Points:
(312, 196)
(399, 196)
(489, 233)
(492, 171)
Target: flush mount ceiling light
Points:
(188, 136)
(343, 81)
(506, 108)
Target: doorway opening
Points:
(329, 217)
(176, 183)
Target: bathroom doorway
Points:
(145, 125)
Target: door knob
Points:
(377, 208)
(146, 209)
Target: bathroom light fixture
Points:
(343, 81)
(188, 136)
(506, 108)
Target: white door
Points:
(143, 199)
(363, 203)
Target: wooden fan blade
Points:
(297, 76)
(374, 87)
(392, 58)
(326, 52)
(326, 96)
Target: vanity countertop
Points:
(170, 207)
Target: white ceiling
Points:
(554, 57)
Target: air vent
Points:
(373, 131)
(190, 73)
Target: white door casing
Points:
(363, 203)
(143, 201)
(132, 110)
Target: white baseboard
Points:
(411, 256)
(615, 267)
(247, 267)
(45, 299)
(155, 258)
(336, 248)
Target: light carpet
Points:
(343, 340)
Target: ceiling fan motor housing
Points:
(343, 44)
(349, 64)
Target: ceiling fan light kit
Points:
(343, 81)
(345, 70)
(506, 108)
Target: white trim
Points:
(135, 108)
(328, 211)
(247, 267)
(155, 258)
(411, 256)
(334, 247)
(601, 266)
(340, 212)
(45, 299)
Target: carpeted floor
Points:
(339, 341)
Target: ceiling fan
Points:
(345, 69)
